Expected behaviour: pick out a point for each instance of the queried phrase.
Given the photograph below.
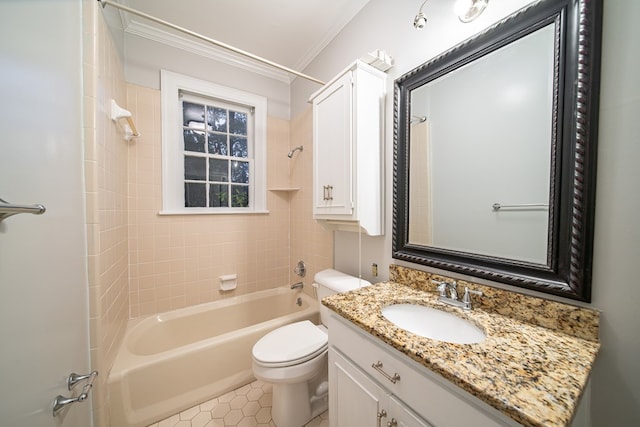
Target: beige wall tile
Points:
(106, 206)
(309, 241)
(181, 257)
(141, 263)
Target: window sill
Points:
(207, 212)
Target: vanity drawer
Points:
(435, 399)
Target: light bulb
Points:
(468, 10)
(461, 7)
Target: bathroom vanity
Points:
(523, 373)
(371, 384)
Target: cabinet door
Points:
(332, 128)
(400, 415)
(354, 399)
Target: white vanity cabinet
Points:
(362, 390)
(348, 150)
(356, 400)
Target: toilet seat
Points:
(290, 345)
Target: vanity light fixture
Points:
(468, 10)
(420, 20)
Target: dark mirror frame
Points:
(573, 158)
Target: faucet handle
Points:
(442, 288)
(453, 290)
(466, 298)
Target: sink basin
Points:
(432, 323)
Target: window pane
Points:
(218, 144)
(193, 140)
(195, 168)
(218, 195)
(237, 123)
(240, 196)
(193, 115)
(217, 119)
(195, 195)
(239, 146)
(219, 170)
(240, 172)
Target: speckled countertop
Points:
(534, 374)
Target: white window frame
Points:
(172, 84)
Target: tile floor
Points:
(248, 406)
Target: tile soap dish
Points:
(228, 282)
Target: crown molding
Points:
(125, 18)
(353, 9)
(137, 28)
(219, 54)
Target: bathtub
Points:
(175, 360)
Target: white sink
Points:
(433, 323)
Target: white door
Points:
(43, 278)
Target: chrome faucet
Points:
(452, 298)
(298, 285)
(444, 287)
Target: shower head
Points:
(290, 155)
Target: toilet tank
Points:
(329, 282)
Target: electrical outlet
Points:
(374, 269)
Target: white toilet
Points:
(294, 358)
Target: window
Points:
(217, 166)
(213, 148)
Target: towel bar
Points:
(7, 209)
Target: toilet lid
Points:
(290, 344)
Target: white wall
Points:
(387, 25)
(145, 59)
(616, 393)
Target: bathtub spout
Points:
(298, 285)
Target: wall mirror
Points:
(495, 152)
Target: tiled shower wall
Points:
(142, 263)
(175, 260)
(310, 241)
(106, 200)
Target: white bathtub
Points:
(173, 361)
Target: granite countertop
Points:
(533, 374)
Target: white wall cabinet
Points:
(348, 150)
(360, 392)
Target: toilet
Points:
(293, 358)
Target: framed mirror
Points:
(495, 152)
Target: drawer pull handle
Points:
(327, 192)
(392, 423)
(378, 367)
(380, 415)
